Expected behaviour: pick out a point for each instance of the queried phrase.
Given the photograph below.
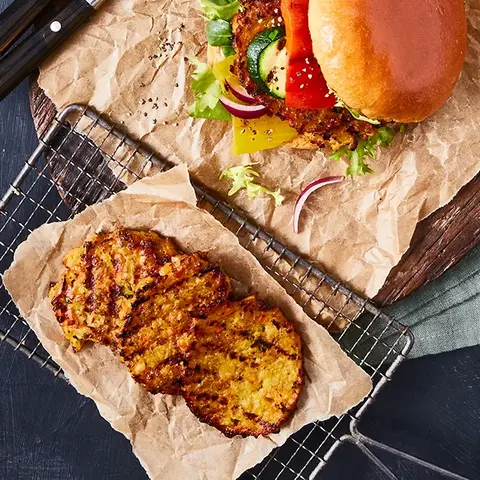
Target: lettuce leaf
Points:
(219, 33)
(243, 177)
(356, 114)
(365, 148)
(220, 9)
(207, 91)
(228, 50)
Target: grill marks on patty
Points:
(169, 318)
(327, 127)
(100, 281)
(244, 369)
(152, 340)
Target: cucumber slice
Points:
(273, 68)
(254, 51)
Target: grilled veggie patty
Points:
(168, 317)
(326, 127)
(100, 281)
(151, 340)
(244, 369)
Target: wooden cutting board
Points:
(439, 242)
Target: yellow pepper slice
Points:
(221, 70)
(266, 132)
(250, 136)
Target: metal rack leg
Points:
(362, 441)
(388, 474)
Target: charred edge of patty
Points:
(170, 387)
(88, 259)
(268, 428)
(58, 301)
(227, 431)
(174, 388)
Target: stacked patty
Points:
(244, 368)
(332, 127)
(154, 336)
(169, 317)
(101, 280)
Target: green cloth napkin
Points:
(445, 314)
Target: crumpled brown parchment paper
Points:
(130, 63)
(169, 441)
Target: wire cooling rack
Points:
(69, 171)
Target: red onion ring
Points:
(240, 92)
(307, 191)
(239, 110)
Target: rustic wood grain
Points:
(43, 110)
(440, 241)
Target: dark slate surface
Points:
(49, 432)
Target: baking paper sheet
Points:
(168, 440)
(130, 62)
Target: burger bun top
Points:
(391, 60)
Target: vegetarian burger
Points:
(344, 74)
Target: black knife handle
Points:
(16, 65)
(16, 19)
